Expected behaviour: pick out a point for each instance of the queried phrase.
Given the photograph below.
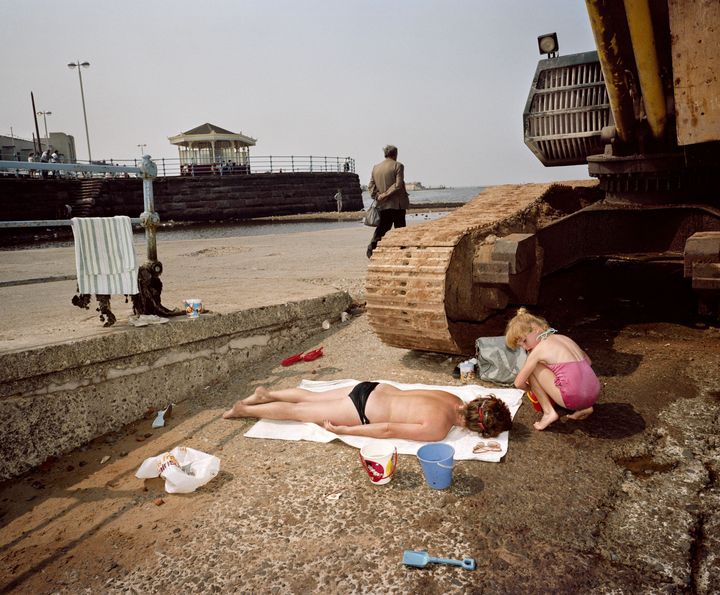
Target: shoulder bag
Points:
(372, 216)
(496, 361)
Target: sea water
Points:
(436, 195)
(418, 198)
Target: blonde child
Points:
(556, 369)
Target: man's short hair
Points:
(390, 151)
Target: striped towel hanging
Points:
(105, 255)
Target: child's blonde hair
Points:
(521, 324)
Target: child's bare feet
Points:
(237, 410)
(546, 420)
(261, 395)
(581, 414)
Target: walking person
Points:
(45, 158)
(338, 198)
(55, 158)
(387, 187)
(31, 159)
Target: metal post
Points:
(47, 136)
(37, 131)
(149, 218)
(87, 131)
(80, 66)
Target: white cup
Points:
(193, 307)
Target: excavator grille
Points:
(566, 110)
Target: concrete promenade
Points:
(228, 274)
(624, 502)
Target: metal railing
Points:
(271, 164)
(145, 169)
(80, 170)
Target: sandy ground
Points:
(623, 502)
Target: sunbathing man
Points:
(378, 411)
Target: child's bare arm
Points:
(521, 380)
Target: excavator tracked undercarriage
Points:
(642, 112)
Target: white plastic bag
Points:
(184, 469)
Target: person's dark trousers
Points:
(388, 218)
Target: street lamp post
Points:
(47, 137)
(142, 149)
(80, 65)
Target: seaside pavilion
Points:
(208, 144)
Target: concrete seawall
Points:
(179, 198)
(57, 397)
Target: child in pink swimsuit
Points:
(556, 369)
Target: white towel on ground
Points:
(461, 439)
(105, 255)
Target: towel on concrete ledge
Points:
(105, 255)
(461, 439)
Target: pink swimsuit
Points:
(577, 382)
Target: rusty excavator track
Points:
(422, 289)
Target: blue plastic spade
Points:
(421, 559)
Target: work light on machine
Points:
(548, 44)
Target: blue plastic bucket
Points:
(437, 464)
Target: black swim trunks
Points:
(359, 396)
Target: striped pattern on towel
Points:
(105, 255)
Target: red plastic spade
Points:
(293, 359)
(313, 355)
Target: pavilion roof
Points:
(207, 133)
(207, 128)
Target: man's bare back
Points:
(413, 406)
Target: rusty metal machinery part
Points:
(425, 289)
(663, 178)
(567, 110)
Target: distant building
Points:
(64, 144)
(13, 148)
(414, 186)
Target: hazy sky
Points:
(444, 80)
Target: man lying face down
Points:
(378, 411)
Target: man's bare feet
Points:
(261, 395)
(237, 410)
(581, 414)
(546, 420)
